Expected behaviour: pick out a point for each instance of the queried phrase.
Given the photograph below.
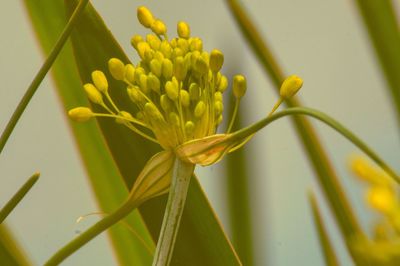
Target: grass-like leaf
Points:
(48, 18)
(200, 239)
(18, 196)
(383, 28)
(326, 246)
(10, 252)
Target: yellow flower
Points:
(178, 89)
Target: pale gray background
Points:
(322, 41)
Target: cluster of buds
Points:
(382, 196)
(177, 86)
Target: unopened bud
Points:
(290, 86)
(185, 99)
(183, 30)
(80, 114)
(199, 109)
(130, 73)
(158, 27)
(117, 68)
(239, 86)
(172, 90)
(100, 81)
(135, 40)
(93, 93)
(216, 60)
(145, 16)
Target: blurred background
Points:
(324, 42)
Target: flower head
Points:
(178, 89)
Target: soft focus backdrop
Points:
(324, 42)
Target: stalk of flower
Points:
(178, 89)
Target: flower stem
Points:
(182, 174)
(92, 232)
(41, 74)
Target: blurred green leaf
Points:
(48, 19)
(200, 240)
(10, 251)
(318, 158)
(326, 246)
(383, 28)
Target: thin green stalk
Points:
(383, 28)
(182, 174)
(18, 196)
(319, 160)
(92, 232)
(41, 74)
(245, 132)
(11, 253)
(326, 245)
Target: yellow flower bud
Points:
(93, 94)
(218, 96)
(135, 95)
(172, 90)
(159, 56)
(130, 73)
(219, 120)
(194, 91)
(166, 49)
(142, 48)
(201, 65)
(138, 72)
(80, 114)
(165, 103)
(143, 83)
(174, 118)
(158, 27)
(199, 109)
(382, 199)
(216, 60)
(167, 68)
(239, 86)
(223, 84)
(152, 112)
(196, 44)
(100, 81)
(124, 116)
(183, 30)
(218, 108)
(155, 67)
(180, 69)
(176, 52)
(117, 68)
(189, 127)
(290, 86)
(183, 45)
(135, 40)
(153, 41)
(185, 99)
(153, 83)
(145, 16)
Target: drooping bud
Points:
(93, 94)
(145, 16)
(158, 27)
(80, 114)
(117, 68)
(183, 30)
(239, 86)
(216, 60)
(290, 86)
(100, 81)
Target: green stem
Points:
(92, 232)
(244, 133)
(13, 202)
(173, 212)
(41, 74)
